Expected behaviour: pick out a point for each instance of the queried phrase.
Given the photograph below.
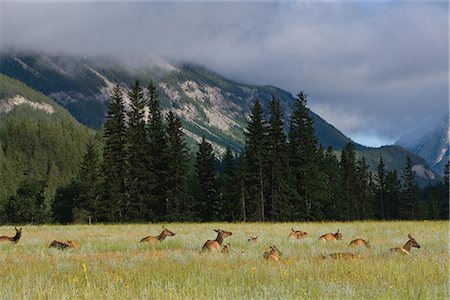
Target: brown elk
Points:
(359, 242)
(407, 247)
(274, 254)
(159, 238)
(227, 248)
(331, 236)
(13, 239)
(64, 245)
(253, 239)
(297, 234)
(342, 255)
(217, 243)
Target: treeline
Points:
(143, 171)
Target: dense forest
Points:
(140, 169)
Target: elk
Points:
(407, 247)
(297, 234)
(331, 236)
(227, 248)
(64, 245)
(342, 255)
(159, 238)
(13, 239)
(217, 243)
(273, 254)
(359, 242)
(253, 240)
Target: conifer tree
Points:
(114, 167)
(176, 182)
(332, 201)
(349, 178)
(140, 177)
(381, 188)
(90, 185)
(207, 206)
(364, 199)
(277, 164)
(255, 155)
(392, 195)
(159, 150)
(408, 208)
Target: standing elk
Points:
(13, 239)
(64, 245)
(359, 242)
(331, 236)
(217, 243)
(159, 238)
(407, 247)
(297, 234)
(274, 254)
(253, 240)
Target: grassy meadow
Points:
(112, 264)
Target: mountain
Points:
(432, 143)
(39, 140)
(209, 104)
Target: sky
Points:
(373, 69)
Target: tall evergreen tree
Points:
(408, 208)
(208, 208)
(255, 155)
(365, 203)
(277, 164)
(90, 185)
(110, 206)
(140, 176)
(178, 206)
(348, 168)
(159, 150)
(392, 195)
(333, 200)
(381, 184)
(227, 191)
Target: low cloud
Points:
(370, 68)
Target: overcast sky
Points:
(373, 69)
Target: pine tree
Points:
(304, 162)
(109, 208)
(392, 195)
(176, 182)
(365, 203)
(333, 192)
(255, 155)
(140, 177)
(208, 209)
(381, 187)
(348, 174)
(159, 150)
(277, 165)
(408, 208)
(89, 183)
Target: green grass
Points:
(117, 266)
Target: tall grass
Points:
(112, 264)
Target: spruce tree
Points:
(333, 199)
(277, 164)
(159, 150)
(408, 208)
(392, 195)
(176, 183)
(381, 188)
(364, 203)
(109, 208)
(140, 176)
(207, 206)
(304, 162)
(349, 178)
(90, 185)
(255, 155)
(228, 188)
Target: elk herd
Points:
(217, 245)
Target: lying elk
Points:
(297, 234)
(13, 239)
(331, 237)
(253, 240)
(217, 243)
(359, 242)
(64, 245)
(226, 249)
(159, 238)
(407, 247)
(273, 254)
(342, 255)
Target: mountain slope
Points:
(209, 104)
(430, 143)
(39, 140)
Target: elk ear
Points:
(409, 236)
(292, 229)
(217, 230)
